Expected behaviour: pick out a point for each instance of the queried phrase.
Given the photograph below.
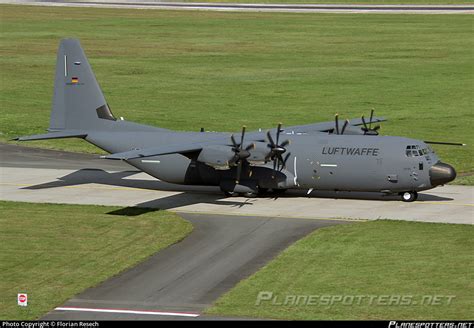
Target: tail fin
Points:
(78, 102)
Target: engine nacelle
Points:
(258, 153)
(216, 156)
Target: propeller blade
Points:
(445, 143)
(278, 133)
(269, 135)
(376, 127)
(365, 128)
(336, 118)
(344, 126)
(233, 141)
(280, 161)
(285, 160)
(371, 116)
(242, 137)
(250, 147)
(285, 143)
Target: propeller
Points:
(240, 153)
(276, 149)
(368, 130)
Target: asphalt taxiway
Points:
(184, 279)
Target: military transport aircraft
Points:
(323, 156)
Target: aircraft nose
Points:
(441, 173)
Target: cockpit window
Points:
(416, 150)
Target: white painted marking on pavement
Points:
(178, 314)
(65, 66)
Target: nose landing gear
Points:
(409, 196)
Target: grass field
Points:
(389, 259)
(370, 2)
(186, 70)
(467, 180)
(53, 252)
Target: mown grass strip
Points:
(53, 252)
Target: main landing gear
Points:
(409, 196)
(244, 194)
(260, 192)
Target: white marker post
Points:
(22, 299)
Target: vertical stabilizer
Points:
(78, 102)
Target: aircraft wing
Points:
(254, 136)
(54, 135)
(156, 151)
(328, 126)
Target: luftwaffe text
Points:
(350, 151)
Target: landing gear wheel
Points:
(249, 194)
(229, 193)
(409, 196)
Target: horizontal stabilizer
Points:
(54, 135)
(149, 152)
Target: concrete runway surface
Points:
(32, 175)
(256, 7)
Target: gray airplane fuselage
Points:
(319, 160)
